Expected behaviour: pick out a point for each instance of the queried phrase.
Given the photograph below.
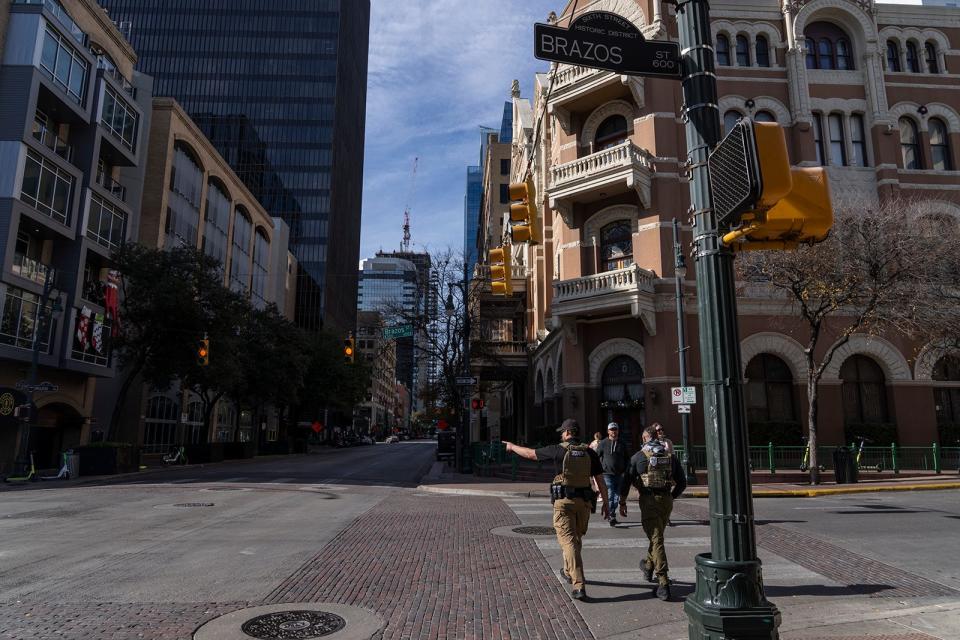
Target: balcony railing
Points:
(632, 278)
(58, 145)
(625, 154)
(570, 75)
(116, 189)
(54, 7)
(108, 69)
(31, 269)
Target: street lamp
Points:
(463, 434)
(680, 272)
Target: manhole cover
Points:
(225, 489)
(534, 531)
(194, 504)
(293, 625)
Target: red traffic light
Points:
(442, 425)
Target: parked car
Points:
(392, 439)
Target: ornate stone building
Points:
(867, 90)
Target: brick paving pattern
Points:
(911, 636)
(836, 563)
(431, 568)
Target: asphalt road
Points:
(186, 534)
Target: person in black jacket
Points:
(614, 458)
(659, 479)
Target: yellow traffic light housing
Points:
(524, 218)
(500, 267)
(203, 352)
(348, 350)
(763, 201)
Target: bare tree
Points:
(883, 269)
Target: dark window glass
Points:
(844, 59)
(818, 139)
(216, 224)
(864, 391)
(764, 116)
(743, 51)
(910, 144)
(893, 56)
(763, 52)
(504, 193)
(830, 48)
(930, 53)
(858, 138)
(731, 118)
(769, 390)
(611, 132)
(505, 167)
(939, 145)
(810, 51)
(723, 50)
(825, 54)
(913, 58)
(838, 151)
(616, 246)
(947, 398)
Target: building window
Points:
(616, 246)
(240, 255)
(838, 151)
(893, 56)
(183, 210)
(743, 51)
(764, 116)
(939, 145)
(818, 139)
(119, 118)
(723, 50)
(19, 321)
(913, 58)
(611, 132)
(844, 58)
(810, 53)
(769, 390)
(858, 139)
(64, 65)
(930, 53)
(106, 224)
(216, 224)
(864, 391)
(947, 398)
(504, 193)
(46, 187)
(825, 54)
(730, 118)
(827, 47)
(160, 425)
(505, 167)
(261, 259)
(910, 144)
(762, 52)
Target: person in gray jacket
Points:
(614, 458)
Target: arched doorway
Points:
(865, 401)
(946, 397)
(771, 415)
(57, 428)
(623, 398)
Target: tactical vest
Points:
(659, 475)
(576, 467)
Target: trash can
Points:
(841, 465)
(853, 474)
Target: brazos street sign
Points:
(604, 40)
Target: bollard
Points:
(773, 465)
(893, 457)
(936, 458)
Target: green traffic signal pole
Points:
(728, 602)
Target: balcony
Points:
(30, 269)
(600, 175)
(49, 139)
(582, 89)
(624, 290)
(113, 187)
(493, 355)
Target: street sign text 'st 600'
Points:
(604, 40)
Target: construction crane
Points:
(405, 245)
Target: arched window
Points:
(930, 54)
(261, 260)
(611, 132)
(827, 47)
(910, 144)
(913, 58)
(838, 149)
(762, 52)
(946, 397)
(240, 253)
(864, 391)
(160, 425)
(216, 217)
(844, 57)
(858, 139)
(893, 56)
(723, 50)
(538, 393)
(731, 118)
(769, 390)
(764, 116)
(743, 51)
(193, 428)
(623, 394)
(939, 145)
(183, 202)
(616, 246)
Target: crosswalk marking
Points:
(632, 542)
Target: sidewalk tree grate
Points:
(535, 531)
(293, 625)
(194, 504)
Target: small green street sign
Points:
(399, 331)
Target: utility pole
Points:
(679, 273)
(728, 601)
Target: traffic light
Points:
(476, 404)
(524, 223)
(348, 350)
(203, 352)
(500, 267)
(761, 200)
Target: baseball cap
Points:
(613, 425)
(569, 425)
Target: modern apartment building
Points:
(285, 105)
(863, 88)
(73, 119)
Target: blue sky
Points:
(438, 70)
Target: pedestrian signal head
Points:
(524, 220)
(500, 267)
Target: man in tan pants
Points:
(574, 465)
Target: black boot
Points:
(663, 591)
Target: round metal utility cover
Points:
(535, 531)
(194, 504)
(293, 625)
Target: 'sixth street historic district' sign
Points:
(604, 40)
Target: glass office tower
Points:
(279, 86)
